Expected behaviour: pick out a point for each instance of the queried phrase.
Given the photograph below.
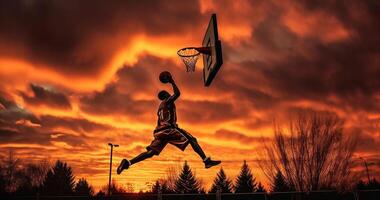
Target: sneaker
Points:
(210, 163)
(123, 165)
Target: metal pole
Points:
(109, 180)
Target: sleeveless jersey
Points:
(166, 115)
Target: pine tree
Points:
(160, 185)
(279, 183)
(165, 188)
(83, 188)
(260, 188)
(221, 181)
(156, 187)
(59, 180)
(100, 194)
(186, 181)
(245, 182)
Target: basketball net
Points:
(189, 56)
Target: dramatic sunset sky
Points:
(75, 75)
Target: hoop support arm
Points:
(204, 50)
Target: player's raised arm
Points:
(176, 91)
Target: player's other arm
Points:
(176, 91)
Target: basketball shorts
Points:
(172, 135)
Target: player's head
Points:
(163, 94)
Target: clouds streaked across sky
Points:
(77, 75)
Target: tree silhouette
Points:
(82, 188)
(279, 184)
(156, 187)
(245, 182)
(24, 183)
(160, 185)
(11, 173)
(260, 188)
(2, 181)
(31, 177)
(312, 153)
(116, 187)
(37, 172)
(186, 181)
(59, 180)
(100, 194)
(221, 182)
(16, 178)
(171, 176)
(373, 184)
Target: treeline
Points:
(59, 180)
(18, 178)
(187, 183)
(40, 178)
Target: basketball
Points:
(165, 76)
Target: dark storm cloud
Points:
(131, 80)
(72, 140)
(35, 135)
(240, 137)
(307, 67)
(273, 35)
(110, 102)
(367, 143)
(12, 113)
(15, 128)
(208, 112)
(45, 133)
(257, 123)
(342, 74)
(49, 97)
(363, 19)
(79, 37)
(142, 78)
(76, 124)
(135, 79)
(10, 133)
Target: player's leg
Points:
(198, 149)
(145, 155)
(125, 164)
(155, 147)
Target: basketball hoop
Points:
(190, 55)
(211, 50)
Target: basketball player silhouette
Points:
(167, 130)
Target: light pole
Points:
(109, 180)
(366, 167)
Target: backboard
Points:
(213, 61)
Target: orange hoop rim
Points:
(192, 55)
